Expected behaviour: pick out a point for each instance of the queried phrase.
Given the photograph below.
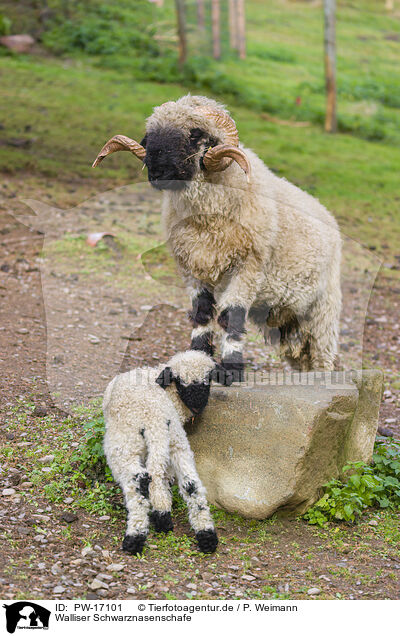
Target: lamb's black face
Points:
(173, 158)
(195, 395)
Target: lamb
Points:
(146, 446)
(249, 245)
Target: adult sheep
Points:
(248, 243)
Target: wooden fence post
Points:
(181, 22)
(241, 29)
(216, 28)
(330, 65)
(233, 30)
(200, 14)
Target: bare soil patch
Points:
(42, 552)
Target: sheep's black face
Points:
(195, 395)
(173, 158)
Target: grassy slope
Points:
(69, 108)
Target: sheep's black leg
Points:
(201, 316)
(232, 320)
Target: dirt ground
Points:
(55, 550)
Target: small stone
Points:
(191, 586)
(87, 551)
(68, 500)
(96, 584)
(69, 517)
(39, 411)
(22, 331)
(47, 469)
(115, 567)
(59, 589)
(104, 518)
(18, 43)
(94, 339)
(313, 591)
(8, 492)
(131, 590)
(248, 577)
(26, 484)
(15, 479)
(47, 459)
(373, 522)
(146, 307)
(105, 577)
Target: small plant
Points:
(90, 454)
(362, 486)
(5, 25)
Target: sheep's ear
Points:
(165, 378)
(221, 375)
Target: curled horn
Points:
(222, 120)
(120, 142)
(220, 157)
(215, 159)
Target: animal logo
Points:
(26, 615)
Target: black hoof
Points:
(233, 373)
(134, 543)
(161, 521)
(207, 540)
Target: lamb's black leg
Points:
(136, 493)
(201, 316)
(162, 521)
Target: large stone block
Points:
(265, 446)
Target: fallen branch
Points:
(285, 122)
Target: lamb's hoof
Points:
(161, 521)
(134, 543)
(207, 540)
